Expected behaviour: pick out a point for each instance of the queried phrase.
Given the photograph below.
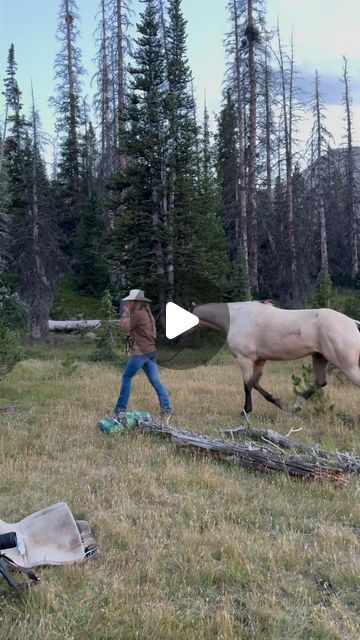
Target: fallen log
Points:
(72, 325)
(245, 455)
(346, 461)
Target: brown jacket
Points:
(140, 326)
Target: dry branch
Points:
(346, 461)
(245, 455)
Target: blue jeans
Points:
(146, 362)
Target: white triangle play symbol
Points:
(178, 320)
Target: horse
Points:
(257, 332)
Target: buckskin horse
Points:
(257, 332)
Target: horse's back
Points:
(269, 333)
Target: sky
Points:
(323, 31)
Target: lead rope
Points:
(177, 352)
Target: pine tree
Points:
(227, 176)
(68, 71)
(90, 265)
(139, 225)
(210, 265)
(180, 166)
(166, 240)
(16, 170)
(40, 261)
(239, 289)
(323, 293)
(33, 254)
(10, 350)
(108, 334)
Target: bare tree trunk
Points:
(268, 122)
(288, 121)
(72, 95)
(168, 182)
(196, 137)
(253, 254)
(351, 196)
(39, 287)
(120, 84)
(2, 146)
(106, 151)
(241, 218)
(320, 183)
(163, 32)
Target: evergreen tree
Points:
(167, 232)
(207, 279)
(108, 334)
(10, 350)
(40, 260)
(68, 71)
(16, 169)
(227, 175)
(183, 248)
(139, 223)
(239, 289)
(90, 266)
(323, 293)
(32, 254)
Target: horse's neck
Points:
(213, 315)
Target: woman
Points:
(139, 324)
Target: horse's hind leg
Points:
(258, 371)
(247, 369)
(320, 364)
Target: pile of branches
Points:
(348, 462)
(266, 457)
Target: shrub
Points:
(10, 350)
(352, 307)
(321, 402)
(108, 333)
(323, 293)
(13, 313)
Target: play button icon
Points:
(178, 320)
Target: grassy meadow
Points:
(190, 548)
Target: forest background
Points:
(140, 186)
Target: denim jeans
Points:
(146, 362)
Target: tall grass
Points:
(190, 548)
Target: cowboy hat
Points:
(137, 294)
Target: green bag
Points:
(128, 421)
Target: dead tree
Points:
(241, 218)
(287, 98)
(352, 205)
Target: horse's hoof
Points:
(247, 415)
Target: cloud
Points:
(331, 87)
